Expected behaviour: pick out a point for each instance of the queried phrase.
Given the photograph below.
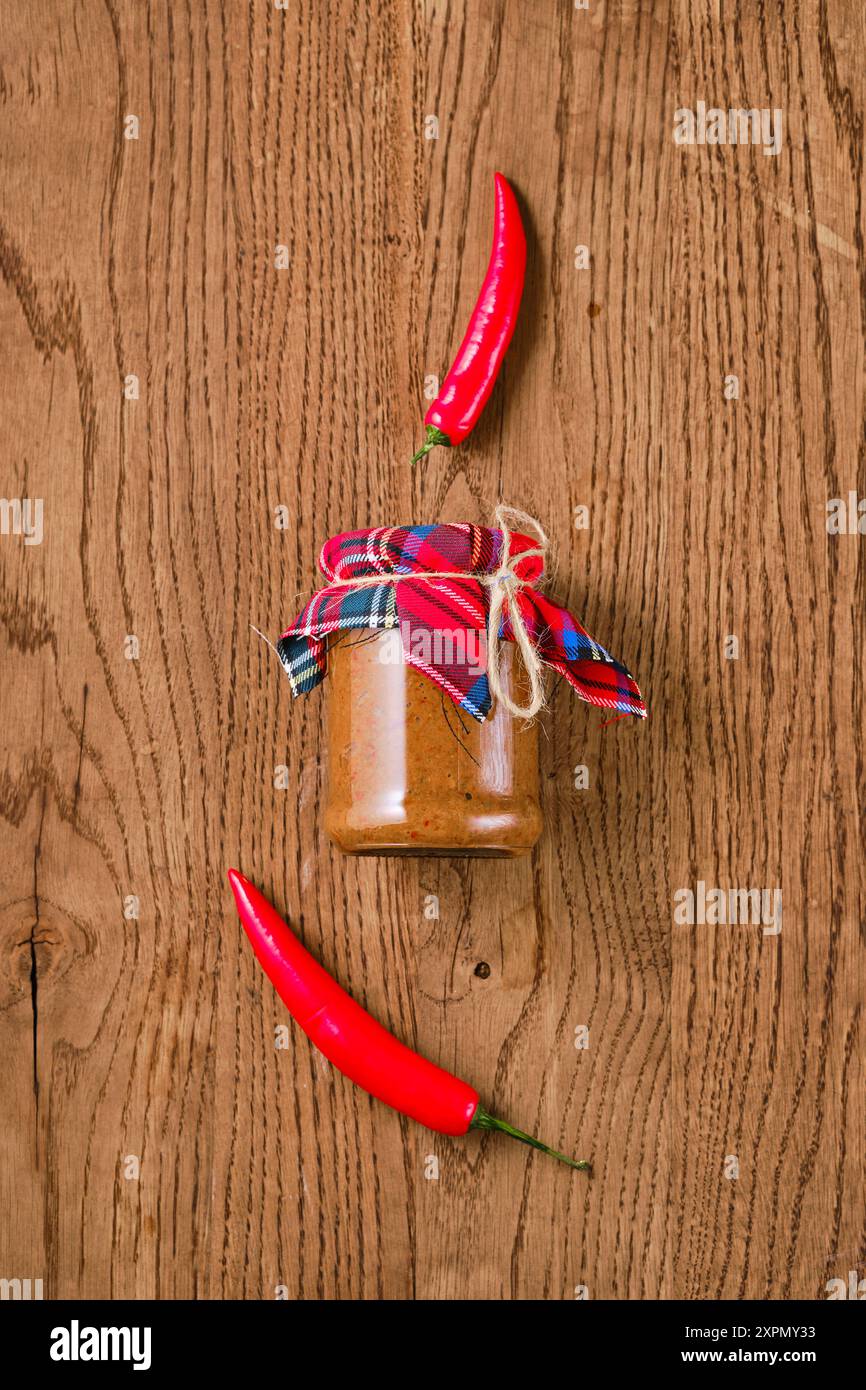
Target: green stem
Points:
(481, 1120)
(434, 437)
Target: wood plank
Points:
(153, 1036)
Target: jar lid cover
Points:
(429, 580)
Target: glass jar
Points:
(410, 773)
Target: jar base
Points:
(428, 852)
(502, 837)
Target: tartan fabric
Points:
(445, 606)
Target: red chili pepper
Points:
(350, 1038)
(468, 384)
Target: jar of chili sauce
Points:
(411, 773)
(430, 640)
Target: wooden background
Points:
(303, 387)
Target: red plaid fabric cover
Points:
(445, 606)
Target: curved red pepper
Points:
(350, 1038)
(467, 386)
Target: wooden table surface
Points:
(166, 388)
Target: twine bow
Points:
(504, 583)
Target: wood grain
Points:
(258, 387)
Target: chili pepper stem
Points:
(434, 437)
(481, 1120)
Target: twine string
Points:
(504, 585)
